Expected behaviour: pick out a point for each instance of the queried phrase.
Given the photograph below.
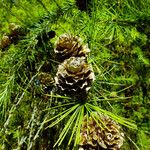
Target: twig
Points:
(14, 107)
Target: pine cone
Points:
(16, 32)
(46, 81)
(5, 41)
(74, 76)
(14, 29)
(68, 46)
(106, 135)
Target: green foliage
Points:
(117, 32)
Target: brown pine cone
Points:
(74, 76)
(70, 46)
(14, 29)
(16, 32)
(5, 42)
(107, 135)
(46, 81)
